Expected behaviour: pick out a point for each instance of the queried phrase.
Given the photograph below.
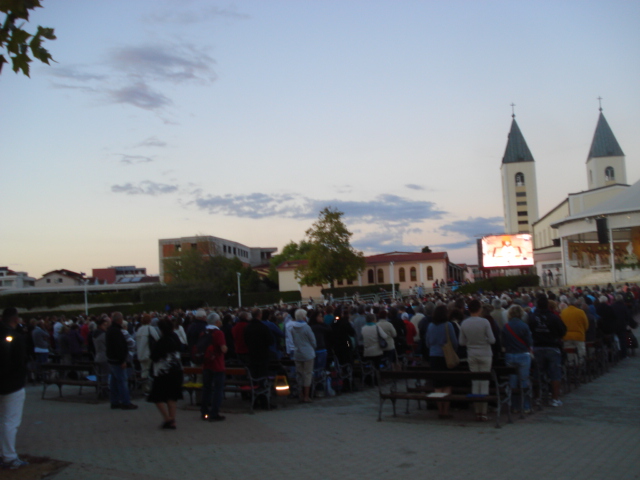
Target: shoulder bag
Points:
(450, 355)
(381, 341)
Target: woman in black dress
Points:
(166, 389)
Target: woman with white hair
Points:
(305, 352)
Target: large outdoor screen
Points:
(500, 251)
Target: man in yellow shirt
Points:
(577, 325)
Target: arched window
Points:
(519, 179)
(412, 273)
(609, 174)
(429, 273)
(380, 276)
(370, 276)
(402, 277)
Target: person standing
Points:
(117, 354)
(41, 343)
(166, 389)
(146, 336)
(213, 373)
(517, 342)
(477, 336)
(304, 353)
(13, 377)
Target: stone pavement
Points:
(595, 435)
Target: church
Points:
(590, 237)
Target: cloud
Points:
(133, 73)
(175, 63)
(386, 239)
(151, 142)
(413, 186)
(183, 17)
(139, 95)
(455, 245)
(146, 187)
(74, 72)
(131, 159)
(476, 227)
(386, 208)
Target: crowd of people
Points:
(513, 327)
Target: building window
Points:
(522, 214)
(521, 194)
(48, 280)
(234, 250)
(609, 174)
(194, 246)
(178, 248)
(519, 179)
(59, 280)
(380, 276)
(340, 282)
(521, 204)
(402, 277)
(522, 222)
(412, 274)
(349, 282)
(429, 273)
(370, 276)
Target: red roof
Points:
(406, 257)
(292, 264)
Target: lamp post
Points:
(239, 293)
(393, 281)
(86, 300)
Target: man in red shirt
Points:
(213, 372)
(242, 351)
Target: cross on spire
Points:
(513, 111)
(600, 103)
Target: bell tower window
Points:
(519, 179)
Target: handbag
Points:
(381, 341)
(450, 355)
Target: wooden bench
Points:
(389, 382)
(58, 374)
(238, 379)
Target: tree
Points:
(15, 41)
(291, 251)
(426, 250)
(330, 257)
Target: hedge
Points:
(361, 290)
(143, 299)
(499, 284)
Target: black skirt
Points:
(167, 387)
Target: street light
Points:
(86, 302)
(239, 294)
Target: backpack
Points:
(200, 350)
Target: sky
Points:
(242, 120)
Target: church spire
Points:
(604, 143)
(517, 149)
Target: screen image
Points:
(507, 251)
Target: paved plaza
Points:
(596, 435)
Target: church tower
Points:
(519, 188)
(606, 161)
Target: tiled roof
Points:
(604, 143)
(405, 257)
(517, 149)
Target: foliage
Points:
(217, 272)
(291, 251)
(426, 250)
(331, 256)
(15, 41)
(499, 284)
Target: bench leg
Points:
(380, 410)
(393, 401)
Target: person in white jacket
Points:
(145, 336)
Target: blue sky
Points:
(166, 118)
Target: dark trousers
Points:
(212, 392)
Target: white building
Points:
(11, 279)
